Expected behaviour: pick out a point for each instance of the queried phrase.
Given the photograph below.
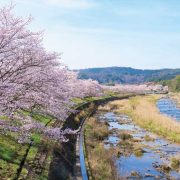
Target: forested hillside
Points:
(128, 75)
(173, 84)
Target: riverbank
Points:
(116, 148)
(64, 161)
(175, 97)
(99, 160)
(35, 160)
(143, 110)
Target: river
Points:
(143, 155)
(168, 107)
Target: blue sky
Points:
(99, 33)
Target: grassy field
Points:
(12, 153)
(142, 109)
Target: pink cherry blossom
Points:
(32, 78)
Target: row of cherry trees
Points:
(34, 79)
(138, 89)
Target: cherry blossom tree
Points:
(137, 88)
(34, 79)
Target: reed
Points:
(143, 110)
(100, 159)
(176, 97)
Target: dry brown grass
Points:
(176, 97)
(107, 107)
(143, 110)
(104, 108)
(96, 130)
(175, 162)
(100, 159)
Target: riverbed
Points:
(140, 154)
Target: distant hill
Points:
(126, 75)
(173, 84)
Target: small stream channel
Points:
(144, 155)
(168, 107)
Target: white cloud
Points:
(78, 4)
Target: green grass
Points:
(36, 139)
(6, 153)
(78, 100)
(45, 173)
(4, 118)
(107, 94)
(42, 118)
(11, 154)
(7, 170)
(32, 153)
(10, 150)
(38, 117)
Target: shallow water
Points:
(156, 152)
(143, 165)
(168, 107)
